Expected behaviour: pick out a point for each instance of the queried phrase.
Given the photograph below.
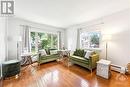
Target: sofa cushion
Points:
(47, 51)
(43, 52)
(49, 57)
(80, 59)
(77, 57)
(53, 52)
(79, 52)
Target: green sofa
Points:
(79, 59)
(49, 57)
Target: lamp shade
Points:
(106, 37)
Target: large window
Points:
(90, 39)
(43, 41)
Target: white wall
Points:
(14, 32)
(2, 39)
(118, 25)
(71, 37)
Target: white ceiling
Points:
(63, 13)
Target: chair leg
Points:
(91, 71)
(38, 64)
(17, 76)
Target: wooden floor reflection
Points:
(54, 74)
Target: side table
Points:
(64, 57)
(27, 58)
(103, 68)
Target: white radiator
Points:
(116, 68)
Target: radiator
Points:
(116, 68)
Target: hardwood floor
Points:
(54, 74)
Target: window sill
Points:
(95, 49)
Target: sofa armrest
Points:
(39, 57)
(93, 60)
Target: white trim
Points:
(95, 49)
(36, 40)
(40, 30)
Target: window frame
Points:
(90, 48)
(36, 39)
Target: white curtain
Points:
(24, 43)
(26, 38)
(60, 42)
(78, 39)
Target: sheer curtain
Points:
(59, 40)
(78, 38)
(26, 38)
(24, 44)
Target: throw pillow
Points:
(88, 54)
(43, 52)
(79, 52)
(76, 52)
(53, 52)
(47, 51)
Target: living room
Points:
(61, 43)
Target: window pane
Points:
(94, 40)
(90, 39)
(42, 41)
(55, 41)
(33, 50)
(47, 41)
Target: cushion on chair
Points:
(47, 51)
(88, 54)
(79, 59)
(49, 57)
(79, 52)
(43, 52)
(53, 52)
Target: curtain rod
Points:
(32, 27)
(37, 27)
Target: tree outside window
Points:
(43, 41)
(33, 44)
(90, 39)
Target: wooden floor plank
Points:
(54, 74)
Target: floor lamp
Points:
(106, 38)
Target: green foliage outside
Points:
(95, 40)
(44, 44)
(45, 41)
